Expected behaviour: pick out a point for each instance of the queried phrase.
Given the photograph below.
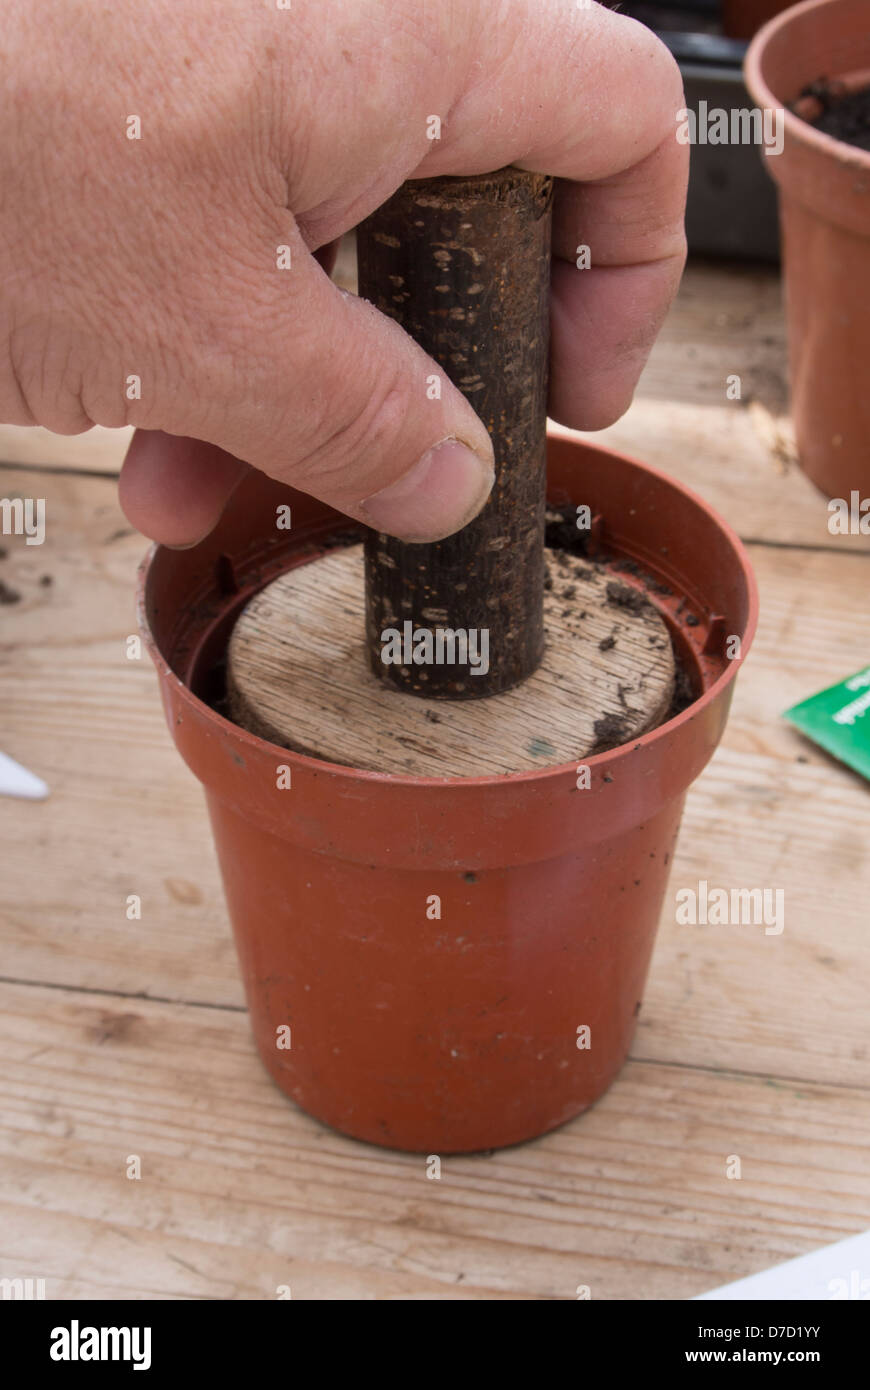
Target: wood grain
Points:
(240, 1192)
(298, 674)
(98, 451)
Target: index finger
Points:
(590, 96)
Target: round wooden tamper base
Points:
(298, 675)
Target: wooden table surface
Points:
(125, 1038)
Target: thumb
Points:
(330, 396)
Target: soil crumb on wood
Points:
(562, 534)
(623, 596)
(610, 732)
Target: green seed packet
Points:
(838, 719)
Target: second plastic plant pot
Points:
(824, 188)
(515, 1009)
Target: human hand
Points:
(155, 257)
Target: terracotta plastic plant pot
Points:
(824, 187)
(461, 1033)
(743, 18)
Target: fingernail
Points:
(439, 495)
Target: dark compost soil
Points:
(845, 116)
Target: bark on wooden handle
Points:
(463, 264)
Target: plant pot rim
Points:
(797, 129)
(242, 738)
